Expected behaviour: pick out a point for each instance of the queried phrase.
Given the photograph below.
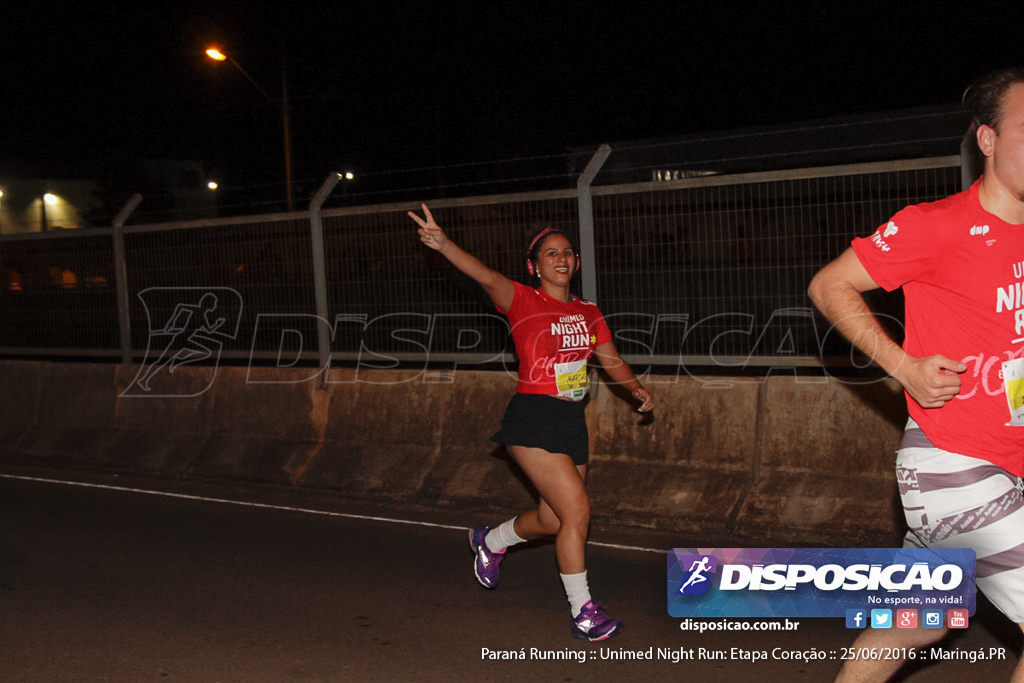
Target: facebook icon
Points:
(856, 618)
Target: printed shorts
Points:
(955, 501)
(541, 421)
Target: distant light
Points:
(215, 54)
(212, 185)
(50, 199)
(349, 175)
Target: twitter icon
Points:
(881, 618)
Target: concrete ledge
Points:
(19, 400)
(784, 460)
(73, 419)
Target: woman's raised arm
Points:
(497, 286)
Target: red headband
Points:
(537, 237)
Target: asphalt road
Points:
(107, 582)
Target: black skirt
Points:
(541, 421)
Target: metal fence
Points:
(704, 272)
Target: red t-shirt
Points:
(962, 273)
(553, 341)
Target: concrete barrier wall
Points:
(782, 460)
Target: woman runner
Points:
(544, 429)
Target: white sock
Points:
(577, 590)
(502, 536)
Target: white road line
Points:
(286, 508)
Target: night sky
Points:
(383, 86)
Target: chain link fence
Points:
(704, 271)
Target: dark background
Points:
(382, 87)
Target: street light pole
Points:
(219, 56)
(287, 125)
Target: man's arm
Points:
(837, 292)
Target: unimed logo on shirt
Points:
(817, 582)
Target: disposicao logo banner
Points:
(817, 582)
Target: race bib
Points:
(572, 379)
(1013, 384)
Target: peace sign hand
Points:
(430, 232)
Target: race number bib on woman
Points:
(572, 379)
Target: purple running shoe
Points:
(593, 624)
(486, 564)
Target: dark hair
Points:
(984, 97)
(537, 241)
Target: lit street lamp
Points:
(219, 56)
